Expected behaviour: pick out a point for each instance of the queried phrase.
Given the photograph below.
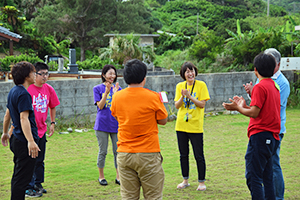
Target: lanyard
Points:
(188, 100)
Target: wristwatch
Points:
(53, 123)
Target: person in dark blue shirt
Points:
(24, 138)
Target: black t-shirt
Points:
(19, 100)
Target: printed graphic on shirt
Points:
(108, 100)
(192, 105)
(40, 103)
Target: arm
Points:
(33, 148)
(5, 136)
(52, 117)
(10, 131)
(179, 102)
(162, 121)
(253, 111)
(102, 102)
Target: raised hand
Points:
(248, 87)
(240, 101)
(230, 106)
(116, 87)
(108, 86)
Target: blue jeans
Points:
(183, 146)
(39, 170)
(277, 173)
(259, 172)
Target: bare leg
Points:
(101, 173)
(118, 177)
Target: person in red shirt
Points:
(263, 129)
(43, 98)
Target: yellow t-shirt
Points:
(137, 111)
(195, 114)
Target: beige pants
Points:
(141, 169)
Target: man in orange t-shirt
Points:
(138, 111)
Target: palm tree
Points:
(126, 48)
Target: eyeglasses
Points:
(42, 74)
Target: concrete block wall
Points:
(76, 96)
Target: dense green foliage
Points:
(125, 48)
(95, 63)
(206, 32)
(9, 61)
(292, 6)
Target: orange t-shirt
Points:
(137, 111)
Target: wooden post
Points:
(6, 76)
(11, 49)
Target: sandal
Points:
(182, 185)
(201, 188)
(102, 181)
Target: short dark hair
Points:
(41, 66)
(185, 66)
(265, 64)
(134, 71)
(105, 70)
(20, 71)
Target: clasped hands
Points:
(185, 93)
(109, 85)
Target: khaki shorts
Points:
(141, 169)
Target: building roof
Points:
(6, 34)
(141, 35)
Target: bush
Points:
(167, 42)
(294, 98)
(96, 63)
(173, 59)
(206, 45)
(11, 60)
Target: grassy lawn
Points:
(72, 173)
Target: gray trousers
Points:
(102, 138)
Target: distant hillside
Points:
(291, 6)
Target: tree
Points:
(10, 16)
(86, 22)
(206, 45)
(125, 48)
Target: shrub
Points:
(96, 63)
(173, 59)
(11, 60)
(294, 98)
(206, 45)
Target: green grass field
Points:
(71, 170)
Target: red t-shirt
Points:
(265, 96)
(42, 98)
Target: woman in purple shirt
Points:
(106, 125)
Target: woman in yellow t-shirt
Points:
(190, 98)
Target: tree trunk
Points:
(82, 54)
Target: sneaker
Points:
(32, 193)
(38, 187)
